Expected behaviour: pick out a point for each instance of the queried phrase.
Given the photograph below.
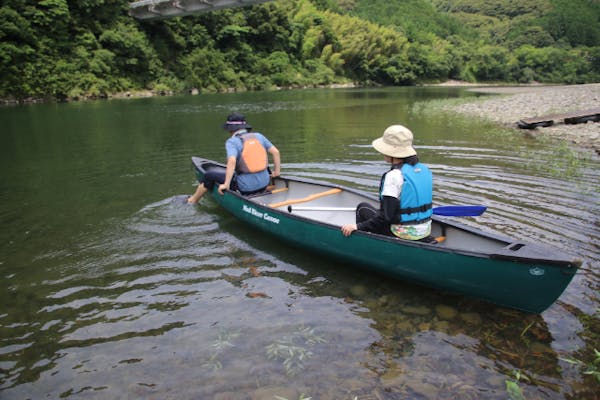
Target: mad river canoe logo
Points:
(254, 212)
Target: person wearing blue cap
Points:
(247, 161)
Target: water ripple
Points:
(146, 301)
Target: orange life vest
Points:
(253, 157)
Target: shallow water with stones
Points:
(113, 289)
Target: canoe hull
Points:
(530, 285)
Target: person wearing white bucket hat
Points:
(405, 192)
(396, 142)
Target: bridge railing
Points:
(154, 9)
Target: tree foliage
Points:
(91, 48)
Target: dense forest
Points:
(70, 49)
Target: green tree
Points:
(17, 49)
(54, 18)
(133, 54)
(433, 59)
(489, 63)
(208, 69)
(578, 21)
(366, 49)
(77, 48)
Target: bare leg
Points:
(200, 191)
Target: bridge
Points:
(155, 9)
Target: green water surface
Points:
(112, 289)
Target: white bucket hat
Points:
(396, 142)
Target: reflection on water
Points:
(110, 293)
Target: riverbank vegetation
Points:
(67, 49)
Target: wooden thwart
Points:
(305, 199)
(269, 190)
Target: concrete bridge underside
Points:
(155, 9)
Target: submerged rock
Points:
(416, 310)
(358, 290)
(274, 392)
(445, 312)
(471, 318)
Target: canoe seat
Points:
(305, 199)
(266, 192)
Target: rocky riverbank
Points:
(520, 102)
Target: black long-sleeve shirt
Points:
(387, 215)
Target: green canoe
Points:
(468, 261)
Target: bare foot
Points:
(200, 191)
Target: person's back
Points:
(253, 157)
(415, 198)
(246, 173)
(250, 151)
(405, 191)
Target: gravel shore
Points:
(520, 102)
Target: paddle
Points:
(448, 211)
(459, 211)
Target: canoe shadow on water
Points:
(415, 324)
(409, 316)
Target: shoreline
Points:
(510, 104)
(513, 103)
(145, 93)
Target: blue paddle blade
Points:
(459, 211)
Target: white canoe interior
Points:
(337, 207)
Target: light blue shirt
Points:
(248, 182)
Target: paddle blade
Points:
(459, 211)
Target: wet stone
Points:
(471, 318)
(274, 393)
(537, 347)
(419, 310)
(404, 326)
(495, 381)
(229, 396)
(441, 326)
(391, 376)
(445, 312)
(358, 290)
(427, 390)
(383, 300)
(424, 326)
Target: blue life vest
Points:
(417, 194)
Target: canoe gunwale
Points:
(375, 236)
(504, 254)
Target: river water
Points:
(111, 289)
